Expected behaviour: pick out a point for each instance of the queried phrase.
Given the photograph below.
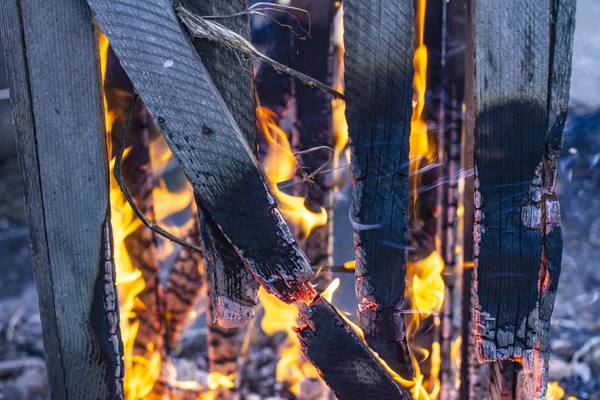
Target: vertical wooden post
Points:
(522, 54)
(57, 104)
(379, 72)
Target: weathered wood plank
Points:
(234, 290)
(378, 59)
(205, 139)
(512, 45)
(354, 373)
(57, 103)
(522, 61)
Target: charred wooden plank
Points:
(562, 31)
(63, 158)
(234, 290)
(378, 59)
(344, 362)
(519, 113)
(205, 139)
(505, 381)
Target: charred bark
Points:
(519, 117)
(344, 362)
(379, 72)
(184, 286)
(234, 290)
(204, 137)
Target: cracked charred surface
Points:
(378, 59)
(519, 113)
(206, 140)
(355, 373)
(233, 288)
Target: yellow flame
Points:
(338, 108)
(140, 373)
(555, 392)
(291, 368)
(279, 165)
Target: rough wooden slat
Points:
(234, 290)
(57, 104)
(562, 31)
(512, 45)
(378, 59)
(205, 139)
(521, 93)
(344, 362)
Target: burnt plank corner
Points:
(379, 71)
(355, 373)
(206, 140)
(233, 288)
(56, 97)
(521, 87)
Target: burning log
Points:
(234, 290)
(204, 137)
(346, 364)
(453, 71)
(378, 59)
(519, 117)
(57, 104)
(184, 286)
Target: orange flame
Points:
(338, 108)
(291, 368)
(140, 373)
(279, 166)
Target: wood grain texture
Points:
(354, 373)
(378, 59)
(521, 93)
(205, 139)
(234, 290)
(57, 103)
(512, 45)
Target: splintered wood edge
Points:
(340, 356)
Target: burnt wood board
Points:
(379, 71)
(204, 137)
(54, 73)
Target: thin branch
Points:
(210, 30)
(121, 182)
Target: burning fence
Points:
(245, 186)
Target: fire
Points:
(291, 368)
(279, 165)
(425, 285)
(555, 392)
(140, 373)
